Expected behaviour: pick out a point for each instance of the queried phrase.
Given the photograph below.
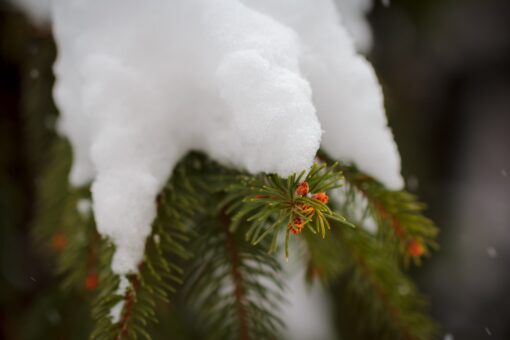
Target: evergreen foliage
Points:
(215, 241)
(268, 204)
(214, 246)
(377, 300)
(233, 286)
(399, 215)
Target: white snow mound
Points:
(252, 83)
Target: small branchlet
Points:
(268, 204)
(398, 214)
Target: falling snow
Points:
(448, 336)
(492, 252)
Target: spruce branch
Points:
(237, 278)
(375, 298)
(59, 228)
(156, 280)
(52, 195)
(398, 214)
(232, 285)
(160, 273)
(400, 217)
(378, 300)
(267, 204)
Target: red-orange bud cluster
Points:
(302, 188)
(297, 227)
(58, 242)
(321, 196)
(91, 281)
(415, 248)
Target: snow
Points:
(346, 92)
(354, 16)
(355, 207)
(116, 311)
(353, 11)
(448, 336)
(308, 311)
(256, 84)
(492, 252)
(84, 207)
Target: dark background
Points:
(445, 69)
(445, 66)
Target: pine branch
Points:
(59, 227)
(159, 274)
(52, 194)
(237, 278)
(127, 312)
(375, 298)
(378, 301)
(398, 214)
(233, 286)
(156, 280)
(269, 204)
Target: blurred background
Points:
(445, 69)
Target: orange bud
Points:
(321, 196)
(91, 282)
(302, 188)
(58, 242)
(297, 227)
(415, 248)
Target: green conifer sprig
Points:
(52, 194)
(153, 284)
(59, 228)
(160, 273)
(377, 300)
(269, 204)
(233, 286)
(398, 214)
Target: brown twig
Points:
(240, 297)
(128, 309)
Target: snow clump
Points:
(256, 84)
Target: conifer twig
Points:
(129, 301)
(236, 277)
